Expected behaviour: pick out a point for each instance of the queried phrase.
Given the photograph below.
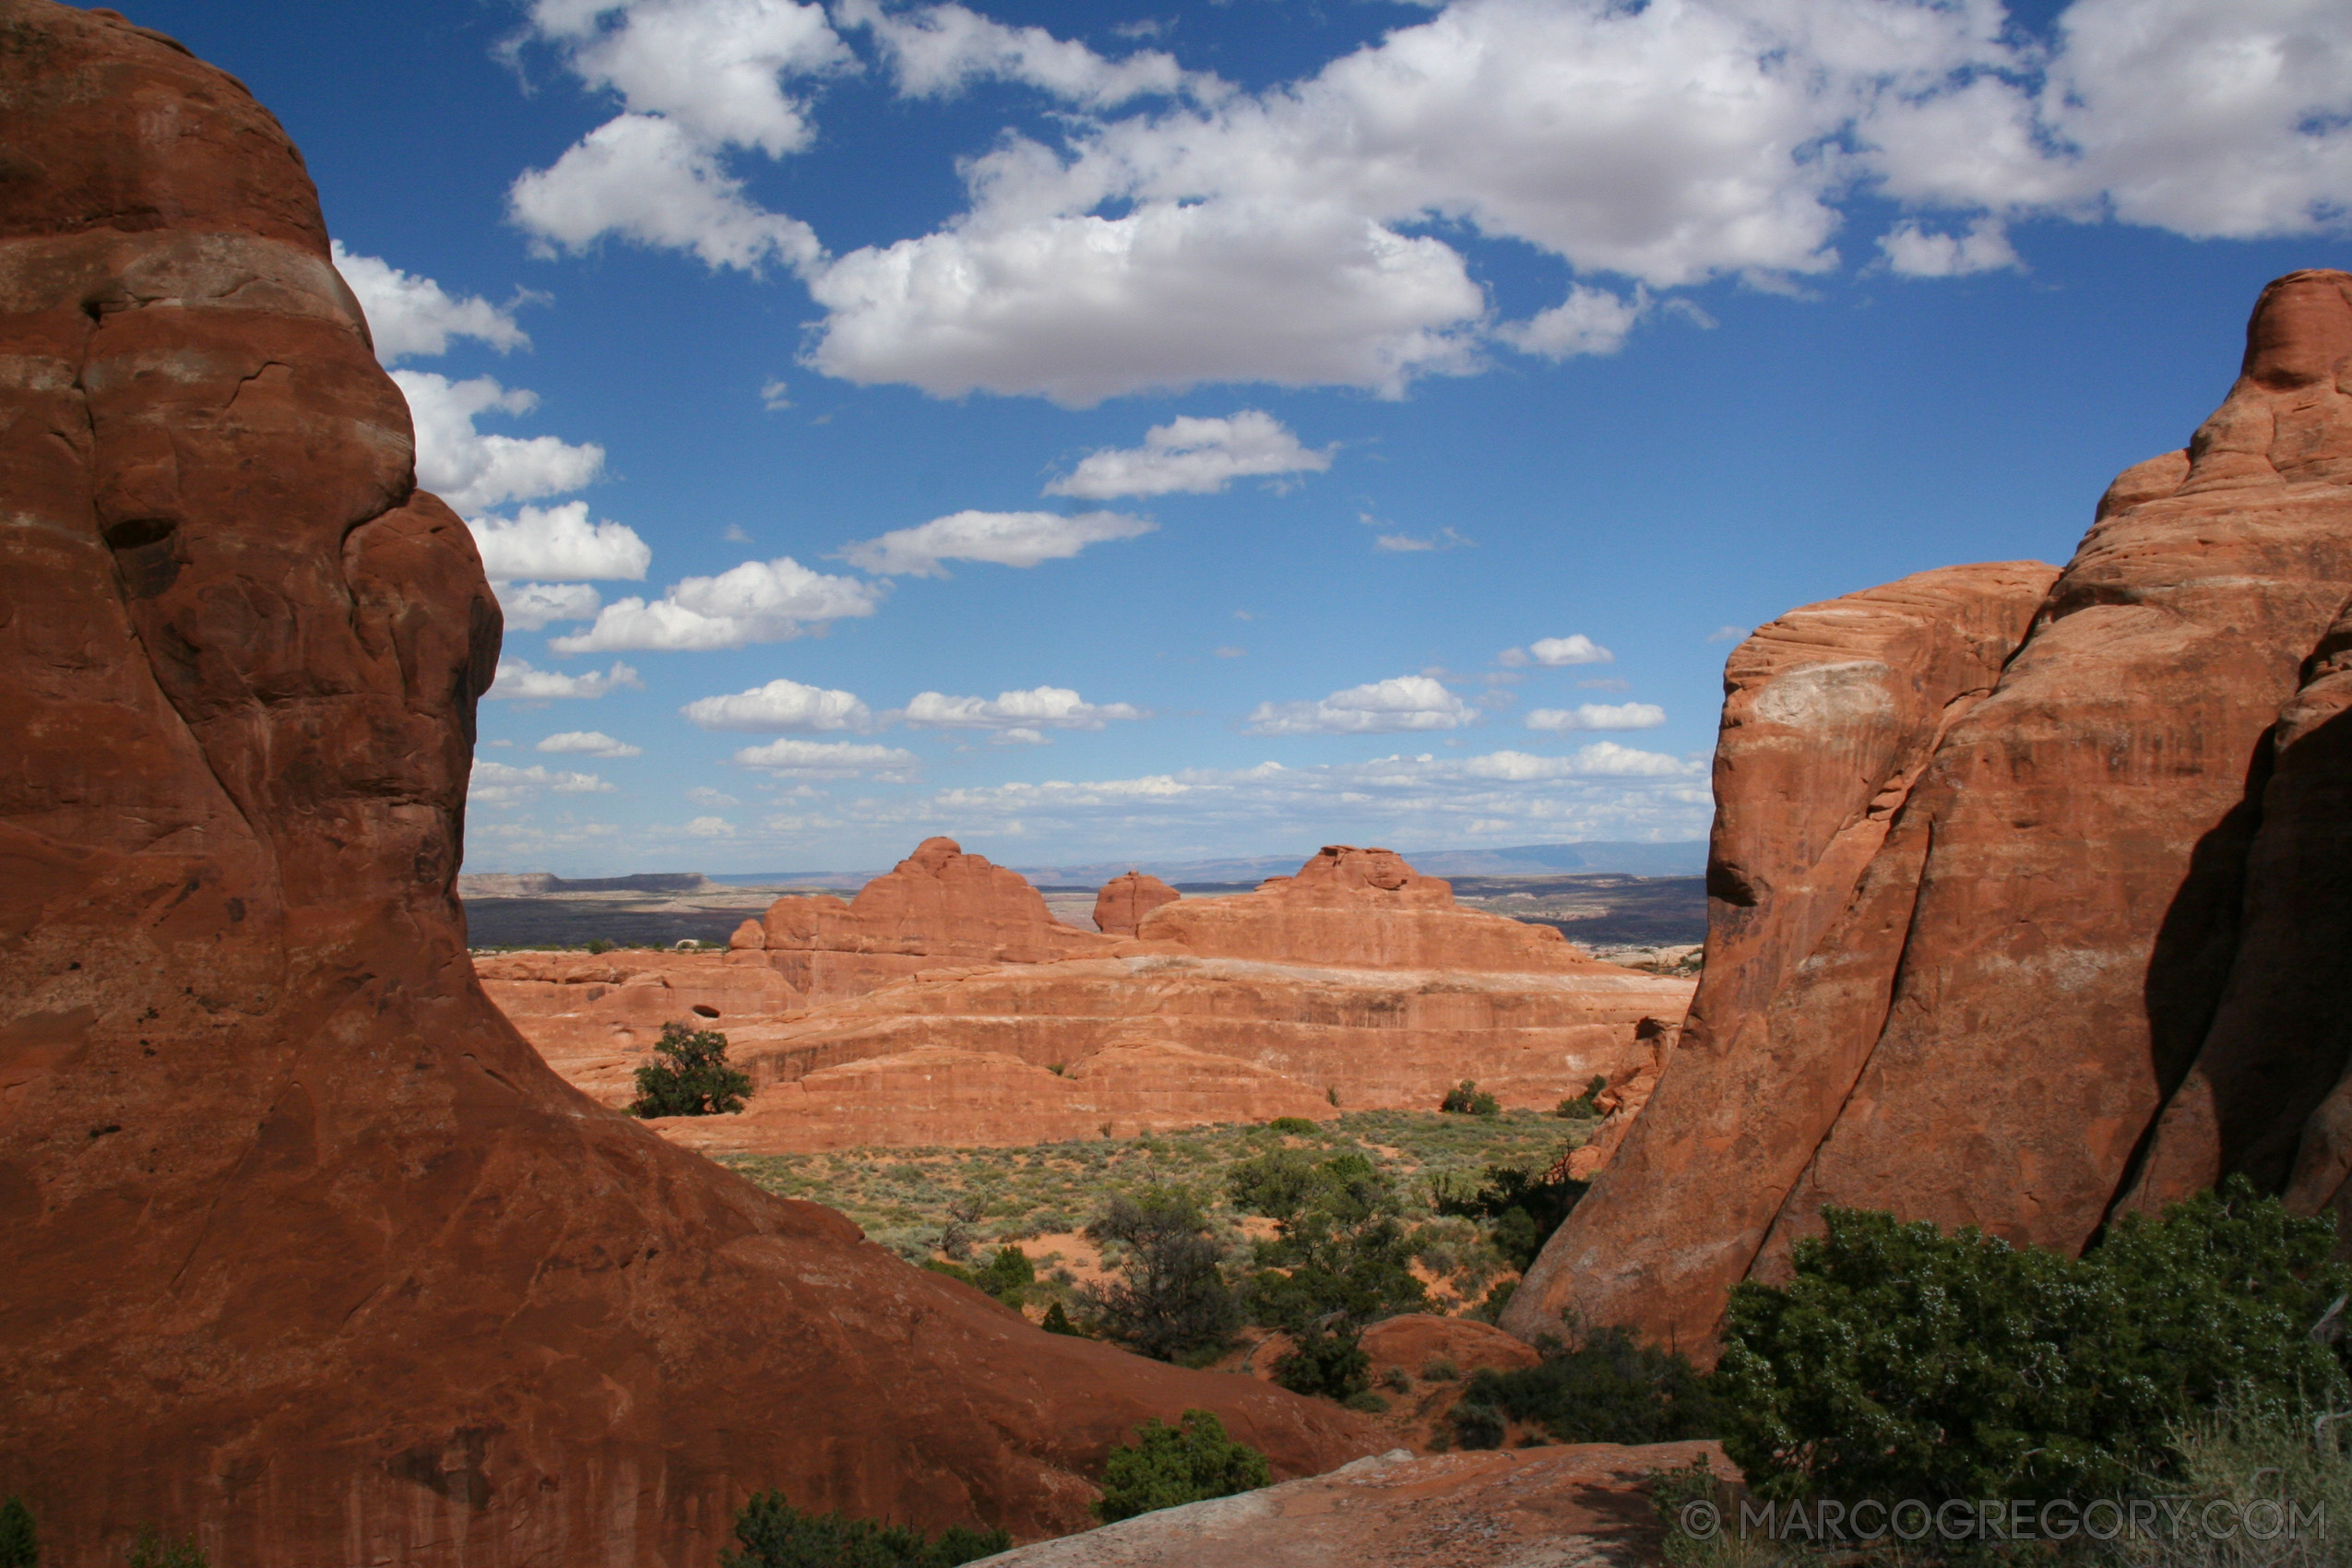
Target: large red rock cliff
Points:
(309, 1253)
(1974, 921)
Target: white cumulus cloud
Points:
(647, 179)
(1589, 321)
(716, 67)
(1199, 456)
(1004, 538)
(558, 544)
(781, 706)
(588, 743)
(711, 827)
(517, 681)
(530, 606)
(828, 759)
(1021, 714)
(1554, 652)
(1404, 703)
(1599, 716)
(411, 317)
(1916, 251)
(759, 602)
(472, 469)
(500, 783)
(936, 50)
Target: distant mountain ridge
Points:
(537, 884)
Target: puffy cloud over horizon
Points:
(1021, 714)
(829, 759)
(588, 743)
(517, 681)
(558, 544)
(1002, 538)
(1198, 455)
(1553, 653)
(781, 705)
(1404, 703)
(1599, 716)
(759, 602)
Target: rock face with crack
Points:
(1125, 900)
(311, 1255)
(2022, 902)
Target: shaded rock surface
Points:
(311, 1257)
(2002, 930)
(1561, 1507)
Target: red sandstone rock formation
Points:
(1125, 900)
(938, 906)
(2113, 866)
(1376, 1038)
(1361, 908)
(596, 1018)
(310, 1255)
(935, 1095)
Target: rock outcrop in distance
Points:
(938, 905)
(2026, 887)
(1123, 901)
(309, 1254)
(1356, 985)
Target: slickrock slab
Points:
(311, 1255)
(1566, 1508)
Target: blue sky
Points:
(1131, 431)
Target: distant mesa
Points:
(944, 1004)
(530, 884)
(2028, 903)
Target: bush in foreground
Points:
(1902, 1363)
(774, 1534)
(1167, 1467)
(692, 1078)
(1611, 1388)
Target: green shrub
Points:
(1398, 1380)
(1325, 1363)
(1609, 1389)
(19, 1544)
(1339, 1258)
(154, 1551)
(1585, 1105)
(1368, 1402)
(1298, 1126)
(1477, 1425)
(692, 1079)
(1523, 1209)
(1008, 1277)
(2285, 1455)
(1167, 1467)
(597, 944)
(774, 1534)
(1902, 1363)
(1171, 1295)
(1057, 1321)
(1465, 1098)
(1439, 1369)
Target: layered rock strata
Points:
(311, 1255)
(2087, 866)
(1350, 1038)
